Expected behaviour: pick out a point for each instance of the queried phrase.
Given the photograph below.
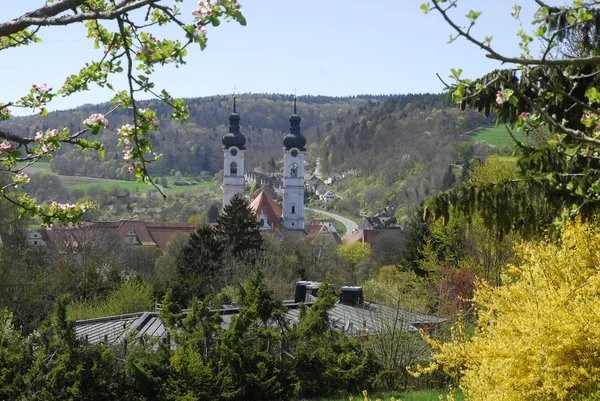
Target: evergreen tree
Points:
(212, 213)
(198, 265)
(238, 227)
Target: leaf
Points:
(473, 15)
(239, 17)
(541, 31)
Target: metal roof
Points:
(367, 319)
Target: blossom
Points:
(202, 29)
(94, 119)
(64, 206)
(127, 153)
(524, 115)
(38, 136)
(21, 178)
(51, 134)
(499, 98)
(125, 131)
(5, 146)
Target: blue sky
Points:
(327, 47)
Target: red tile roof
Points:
(264, 204)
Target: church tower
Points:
(294, 148)
(233, 159)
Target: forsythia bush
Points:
(538, 336)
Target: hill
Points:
(400, 149)
(196, 145)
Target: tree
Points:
(552, 97)
(199, 265)
(237, 227)
(392, 344)
(124, 34)
(355, 257)
(212, 213)
(536, 336)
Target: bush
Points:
(133, 296)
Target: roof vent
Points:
(313, 288)
(352, 296)
(300, 293)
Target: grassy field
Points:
(497, 136)
(421, 395)
(84, 183)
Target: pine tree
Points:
(199, 265)
(238, 227)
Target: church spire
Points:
(234, 137)
(294, 139)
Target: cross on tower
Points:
(295, 96)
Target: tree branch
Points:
(47, 16)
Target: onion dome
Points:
(294, 139)
(234, 137)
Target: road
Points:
(350, 225)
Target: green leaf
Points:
(473, 15)
(593, 95)
(43, 112)
(239, 17)
(541, 31)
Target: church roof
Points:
(263, 203)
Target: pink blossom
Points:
(499, 98)
(21, 178)
(125, 131)
(38, 136)
(127, 153)
(94, 119)
(5, 146)
(524, 115)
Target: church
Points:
(288, 217)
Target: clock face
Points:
(233, 152)
(294, 153)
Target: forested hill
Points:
(386, 135)
(402, 149)
(196, 145)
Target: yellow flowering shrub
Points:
(538, 336)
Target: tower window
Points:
(233, 168)
(293, 209)
(294, 170)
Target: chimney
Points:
(313, 288)
(352, 296)
(300, 293)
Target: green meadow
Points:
(497, 136)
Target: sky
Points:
(318, 47)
